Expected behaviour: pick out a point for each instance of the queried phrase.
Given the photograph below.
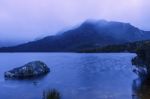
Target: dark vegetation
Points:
(127, 47)
(142, 61)
(51, 94)
(142, 90)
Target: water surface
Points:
(74, 75)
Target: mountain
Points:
(90, 34)
(8, 43)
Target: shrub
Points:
(51, 94)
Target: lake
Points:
(74, 75)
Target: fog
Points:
(32, 19)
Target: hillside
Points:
(90, 34)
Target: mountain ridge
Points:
(90, 34)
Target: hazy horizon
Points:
(32, 19)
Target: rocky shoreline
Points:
(142, 62)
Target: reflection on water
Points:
(76, 76)
(141, 90)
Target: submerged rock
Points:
(31, 69)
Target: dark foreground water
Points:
(75, 76)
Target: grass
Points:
(51, 94)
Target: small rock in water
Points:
(35, 83)
(32, 69)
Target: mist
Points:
(32, 19)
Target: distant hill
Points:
(90, 34)
(8, 43)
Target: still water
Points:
(74, 75)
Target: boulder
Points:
(31, 69)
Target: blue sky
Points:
(30, 19)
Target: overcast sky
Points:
(29, 19)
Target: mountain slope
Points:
(87, 35)
(8, 43)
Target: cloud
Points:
(28, 19)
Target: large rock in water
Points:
(32, 69)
